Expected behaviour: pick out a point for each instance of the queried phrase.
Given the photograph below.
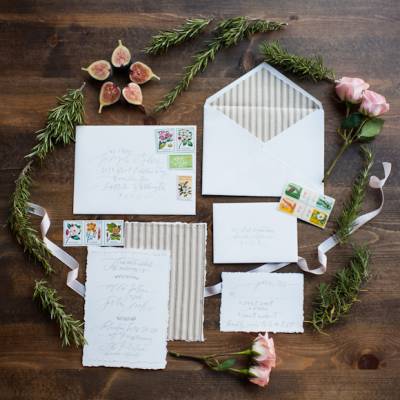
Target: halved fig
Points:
(133, 94)
(121, 56)
(141, 73)
(110, 93)
(99, 70)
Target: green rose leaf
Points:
(352, 121)
(229, 363)
(371, 129)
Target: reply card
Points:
(126, 308)
(253, 232)
(135, 170)
(268, 302)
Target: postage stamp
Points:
(184, 187)
(185, 139)
(165, 139)
(73, 233)
(306, 204)
(113, 233)
(180, 161)
(92, 231)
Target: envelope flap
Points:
(264, 102)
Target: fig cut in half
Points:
(121, 56)
(99, 70)
(110, 93)
(141, 73)
(133, 94)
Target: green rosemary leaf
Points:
(20, 223)
(335, 300)
(304, 67)
(352, 207)
(71, 330)
(161, 42)
(61, 123)
(228, 33)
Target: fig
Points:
(133, 94)
(121, 56)
(109, 94)
(141, 73)
(99, 70)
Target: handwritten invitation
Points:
(268, 302)
(126, 308)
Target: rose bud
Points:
(259, 375)
(373, 104)
(351, 89)
(264, 350)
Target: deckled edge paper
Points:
(132, 280)
(187, 243)
(239, 302)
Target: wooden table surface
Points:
(43, 45)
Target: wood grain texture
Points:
(44, 43)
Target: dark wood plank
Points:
(44, 43)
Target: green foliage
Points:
(226, 364)
(370, 129)
(71, 330)
(352, 207)
(336, 299)
(304, 67)
(161, 42)
(61, 123)
(20, 223)
(352, 121)
(228, 33)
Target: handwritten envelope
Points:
(260, 132)
(135, 170)
(253, 233)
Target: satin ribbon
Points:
(326, 245)
(63, 256)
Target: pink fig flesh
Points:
(133, 94)
(109, 94)
(141, 73)
(99, 70)
(121, 56)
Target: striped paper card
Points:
(187, 244)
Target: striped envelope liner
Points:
(187, 243)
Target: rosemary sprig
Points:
(61, 123)
(161, 42)
(20, 223)
(71, 330)
(228, 33)
(335, 300)
(304, 67)
(352, 206)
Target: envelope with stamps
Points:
(260, 132)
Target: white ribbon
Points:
(64, 257)
(327, 244)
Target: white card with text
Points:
(135, 170)
(262, 302)
(126, 308)
(253, 233)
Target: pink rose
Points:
(259, 375)
(373, 104)
(264, 350)
(351, 89)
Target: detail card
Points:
(306, 204)
(267, 302)
(126, 308)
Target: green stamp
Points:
(180, 161)
(293, 190)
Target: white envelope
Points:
(260, 132)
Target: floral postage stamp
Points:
(185, 189)
(113, 233)
(93, 230)
(180, 161)
(73, 233)
(185, 139)
(165, 139)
